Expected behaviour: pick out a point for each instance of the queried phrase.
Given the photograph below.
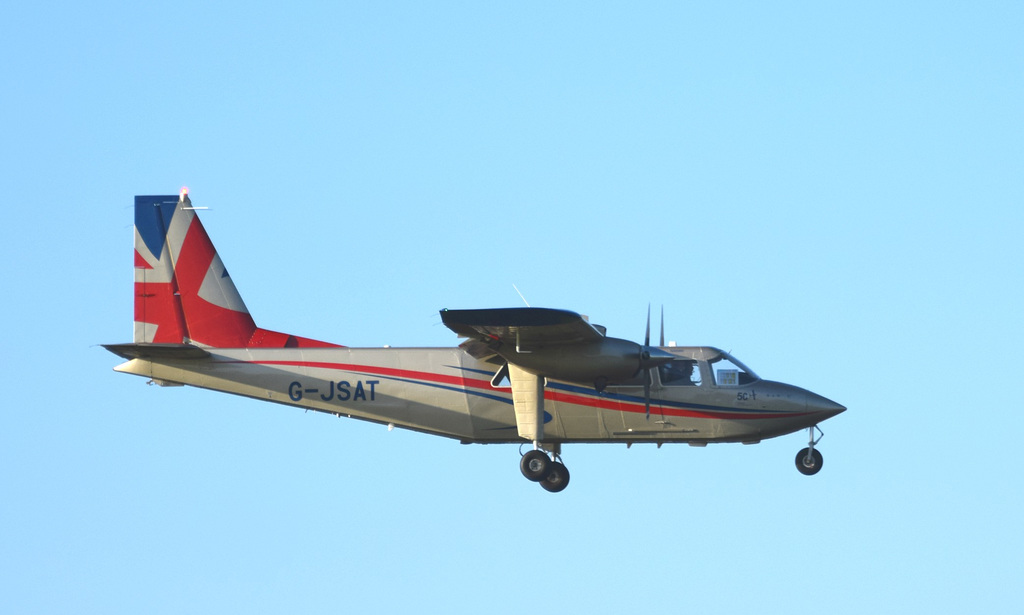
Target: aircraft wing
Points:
(556, 344)
(537, 343)
(524, 328)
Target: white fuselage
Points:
(445, 391)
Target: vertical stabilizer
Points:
(158, 314)
(183, 293)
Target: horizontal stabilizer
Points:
(157, 351)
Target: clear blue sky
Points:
(833, 194)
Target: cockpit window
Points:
(681, 372)
(729, 372)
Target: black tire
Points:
(535, 465)
(808, 466)
(557, 479)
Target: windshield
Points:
(729, 372)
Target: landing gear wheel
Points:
(808, 461)
(536, 465)
(557, 479)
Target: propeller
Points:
(645, 358)
(651, 358)
(662, 341)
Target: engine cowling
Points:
(610, 360)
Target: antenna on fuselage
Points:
(521, 295)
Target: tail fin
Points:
(183, 293)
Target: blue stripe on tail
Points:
(152, 217)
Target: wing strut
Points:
(528, 400)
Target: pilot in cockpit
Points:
(678, 372)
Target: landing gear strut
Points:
(549, 471)
(809, 460)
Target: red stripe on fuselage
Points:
(607, 403)
(386, 371)
(604, 403)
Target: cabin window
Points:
(681, 372)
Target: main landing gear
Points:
(809, 460)
(549, 471)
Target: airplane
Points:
(538, 377)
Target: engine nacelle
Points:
(610, 360)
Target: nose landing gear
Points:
(550, 472)
(809, 460)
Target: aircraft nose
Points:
(825, 408)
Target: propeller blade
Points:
(662, 343)
(647, 394)
(646, 362)
(647, 335)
